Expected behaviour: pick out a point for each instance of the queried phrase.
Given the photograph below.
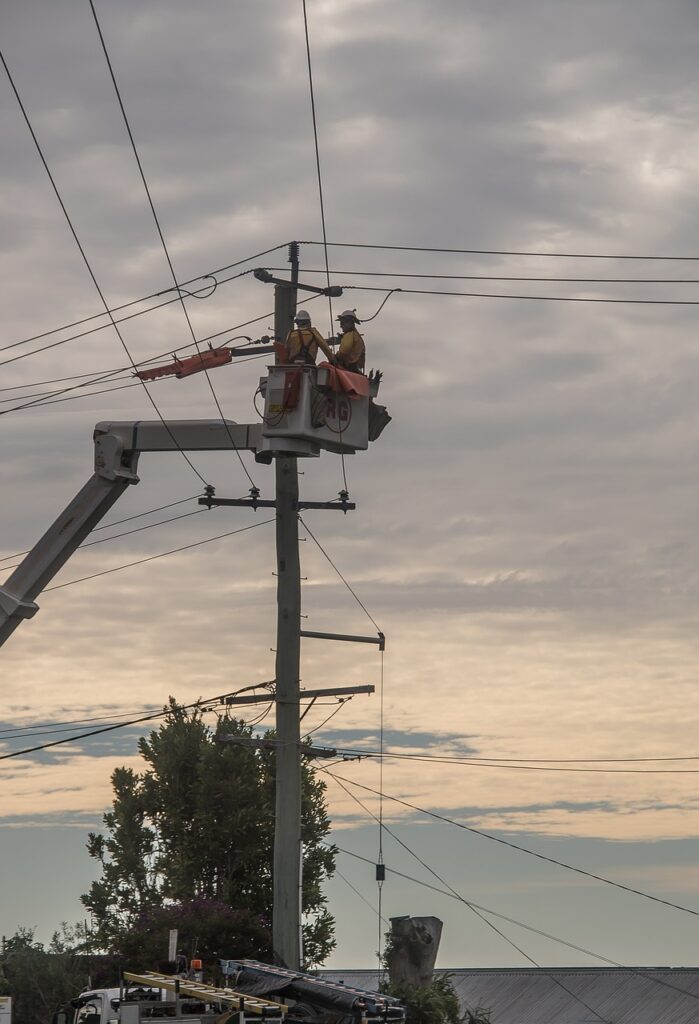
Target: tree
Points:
(41, 978)
(197, 824)
(436, 1003)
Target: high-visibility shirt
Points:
(302, 345)
(352, 351)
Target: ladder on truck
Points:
(239, 1002)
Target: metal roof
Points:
(557, 995)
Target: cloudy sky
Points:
(526, 527)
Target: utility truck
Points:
(255, 992)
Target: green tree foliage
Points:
(195, 829)
(206, 928)
(42, 978)
(436, 1003)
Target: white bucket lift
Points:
(306, 411)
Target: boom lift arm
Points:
(117, 449)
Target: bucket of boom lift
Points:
(309, 409)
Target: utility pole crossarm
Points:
(330, 691)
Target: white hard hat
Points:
(303, 317)
(349, 314)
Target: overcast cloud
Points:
(526, 526)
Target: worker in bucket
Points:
(303, 343)
(352, 352)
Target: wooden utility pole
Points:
(287, 860)
(286, 920)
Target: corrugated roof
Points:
(556, 995)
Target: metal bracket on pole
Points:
(338, 506)
(255, 744)
(330, 691)
(334, 290)
(244, 502)
(379, 639)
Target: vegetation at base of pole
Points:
(435, 1003)
(188, 844)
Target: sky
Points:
(525, 527)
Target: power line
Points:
(42, 729)
(50, 394)
(95, 732)
(491, 763)
(119, 725)
(501, 252)
(531, 298)
(487, 910)
(476, 911)
(105, 375)
(88, 265)
(101, 327)
(101, 391)
(128, 533)
(162, 554)
(521, 849)
(336, 871)
(520, 924)
(340, 704)
(163, 243)
(117, 522)
(59, 725)
(317, 152)
(146, 298)
(492, 277)
(327, 556)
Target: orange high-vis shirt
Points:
(306, 340)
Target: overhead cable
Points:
(110, 374)
(523, 849)
(89, 267)
(503, 252)
(492, 277)
(329, 559)
(40, 728)
(119, 725)
(520, 924)
(475, 762)
(530, 298)
(475, 910)
(129, 533)
(317, 153)
(117, 522)
(163, 243)
(101, 327)
(162, 554)
(341, 702)
(146, 298)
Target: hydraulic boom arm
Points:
(117, 448)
